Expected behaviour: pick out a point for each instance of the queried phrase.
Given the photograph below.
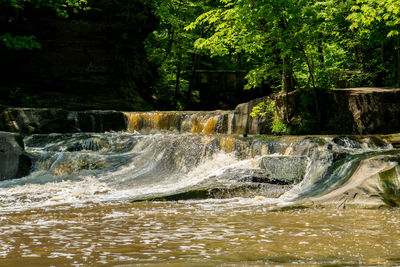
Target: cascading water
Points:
(82, 204)
(181, 122)
(133, 166)
(178, 161)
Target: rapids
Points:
(179, 191)
(97, 167)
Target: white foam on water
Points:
(93, 189)
(49, 194)
(212, 167)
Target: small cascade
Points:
(135, 166)
(185, 155)
(215, 122)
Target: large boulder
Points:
(290, 169)
(14, 162)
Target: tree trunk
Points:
(357, 55)
(321, 50)
(190, 89)
(177, 80)
(310, 70)
(398, 61)
(287, 83)
(171, 40)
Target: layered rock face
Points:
(31, 120)
(93, 60)
(346, 111)
(39, 121)
(14, 162)
(363, 111)
(246, 124)
(351, 110)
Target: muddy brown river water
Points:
(234, 232)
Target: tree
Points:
(278, 36)
(170, 47)
(293, 44)
(376, 19)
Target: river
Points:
(169, 199)
(234, 232)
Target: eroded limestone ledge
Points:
(363, 110)
(41, 121)
(345, 111)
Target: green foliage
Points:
(20, 42)
(268, 109)
(307, 45)
(377, 25)
(170, 47)
(310, 34)
(368, 13)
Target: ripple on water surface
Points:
(210, 232)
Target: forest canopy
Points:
(305, 45)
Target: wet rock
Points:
(222, 192)
(346, 142)
(288, 169)
(259, 176)
(14, 162)
(195, 122)
(231, 183)
(373, 182)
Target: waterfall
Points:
(185, 155)
(216, 122)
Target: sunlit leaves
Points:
(367, 12)
(170, 47)
(265, 29)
